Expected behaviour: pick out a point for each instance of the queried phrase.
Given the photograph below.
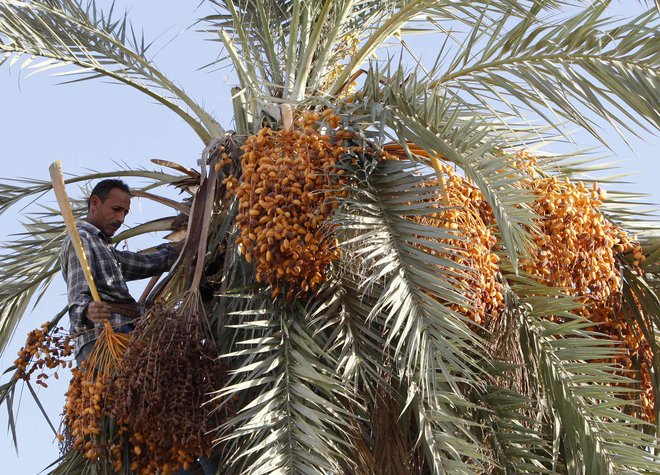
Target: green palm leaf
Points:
(435, 353)
(294, 418)
(67, 32)
(353, 336)
(585, 394)
(26, 277)
(581, 67)
(517, 434)
(434, 121)
(13, 191)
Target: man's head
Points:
(108, 205)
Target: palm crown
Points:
(390, 281)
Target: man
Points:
(107, 207)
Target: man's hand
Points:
(98, 312)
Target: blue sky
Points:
(93, 124)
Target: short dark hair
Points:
(103, 188)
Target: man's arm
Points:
(135, 265)
(78, 293)
(81, 305)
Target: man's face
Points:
(109, 215)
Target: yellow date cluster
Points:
(285, 196)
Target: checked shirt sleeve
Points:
(78, 292)
(135, 265)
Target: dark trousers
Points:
(84, 352)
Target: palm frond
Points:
(435, 352)
(437, 123)
(69, 32)
(582, 68)
(71, 463)
(641, 306)
(393, 247)
(25, 274)
(352, 335)
(13, 191)
(294, 417)
(285, 51)
(586, 394)
(160, 224)
(402, 16)
(515, 420)
(380, 436)
(516, 432)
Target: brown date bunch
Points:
(85, 415)
(86, 419)
(160, 392)
(44, 349)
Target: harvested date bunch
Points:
(160, 391)
(107, 352)
(85, 415)
(286, 193)
(45, 348)
(85, 410)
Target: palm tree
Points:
(435, 314)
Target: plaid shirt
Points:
(111, 268)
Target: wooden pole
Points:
(65, 207)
